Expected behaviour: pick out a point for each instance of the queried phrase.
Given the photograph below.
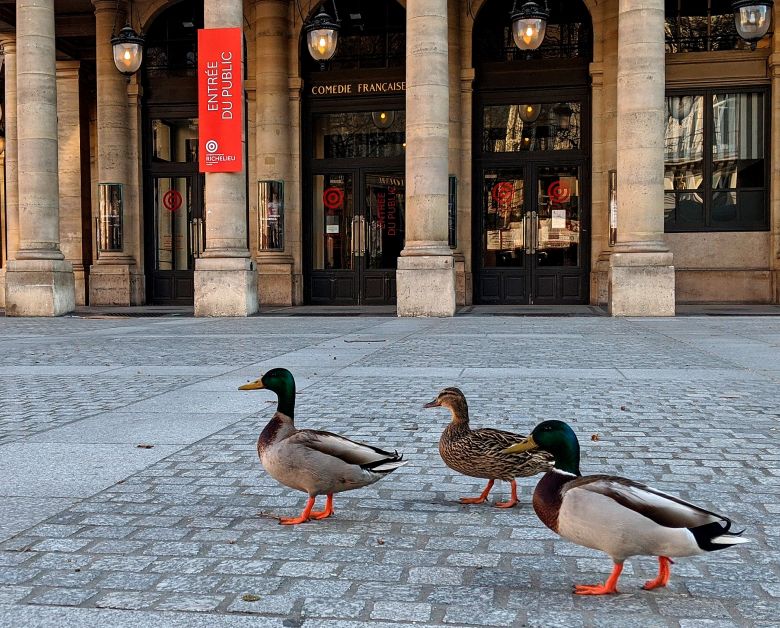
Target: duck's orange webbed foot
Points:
(324, 514)
(608, 588)
(482, 497)
(303, 518)
(512, 500)
(664, 571)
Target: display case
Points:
(270, 215)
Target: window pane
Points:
(724, 209)
(503, 199)
(690, 210)
(752, 207)
(531, 127)
(175, 140)
(701, 25)
(684, 143)
(359, 134)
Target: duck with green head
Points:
(616, 515)
(313, 461)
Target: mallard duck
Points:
(479, 453)
(316, 462)
(618, 516)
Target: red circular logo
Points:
(172, 200)
(333, 198)
(503, 192)
(558, 192)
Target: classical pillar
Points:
(69, 158)
(272, 142)
(426, 273)
(641, 274)
(9, 238)
(225, 275)
(8, 43)
(39, 282)
(114, 276)
(774, 73)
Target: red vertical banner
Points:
(220, 99)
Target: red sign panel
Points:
(220, 98)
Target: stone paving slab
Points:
(187, 535)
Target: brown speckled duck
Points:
(479, 453)
(313, 461)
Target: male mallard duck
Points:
(618, 516)
(479, 453)
(316, 462)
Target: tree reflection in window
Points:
(701, 26)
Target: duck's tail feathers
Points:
(715, 536)
(387, 465)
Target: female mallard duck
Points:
(618, 516)
(316, 462)
(479, 453)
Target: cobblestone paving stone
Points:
(683, 404)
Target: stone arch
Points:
(152, 10)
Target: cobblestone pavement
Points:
(182, 531)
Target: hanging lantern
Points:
(529, 24)
(562, 114)
(752, 18)
(529, 113)
(322, 36)
(128, 50)
(383, 119)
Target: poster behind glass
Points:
(109, 232)
(270, 210)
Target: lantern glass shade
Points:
(529, 113)
(528, 33)
(752, 19)
(383, 119)
(128, 51)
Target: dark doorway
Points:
(174, 227)
(531, 191)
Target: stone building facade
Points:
(629, 162)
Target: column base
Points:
(116, 284)
(39, 288)
(425, 285)
(225, 286)
(641, 284)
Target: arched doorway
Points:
(174, 228)
(531, 159)
(353, 126)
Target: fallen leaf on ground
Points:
(144, 446)
(250, 597)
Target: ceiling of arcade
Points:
(74, 27)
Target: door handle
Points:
(530, 226)
(355, 240)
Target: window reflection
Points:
(700, 26)
(715, 170)
(531, 127)
(333, 211)
(503, 194)
(355, 135)
(175, 140)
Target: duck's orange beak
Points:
(524, 445)
(255, 385)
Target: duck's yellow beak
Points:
(255, 385)
(524, 445)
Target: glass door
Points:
(179, 237)
(358, 234)
(532, 251)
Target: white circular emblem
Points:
(212, 146)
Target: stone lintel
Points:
(425, 285)
(225, 286)
(39, 288)
(641, 284)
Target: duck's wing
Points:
(365, 456)
(664, 509)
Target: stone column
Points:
(272, 142)
(641, 274)
(39, 282)
(774, 73)
(69, 157)
(114, 275)
(426, 273)
(225, 275)
(10, 237)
